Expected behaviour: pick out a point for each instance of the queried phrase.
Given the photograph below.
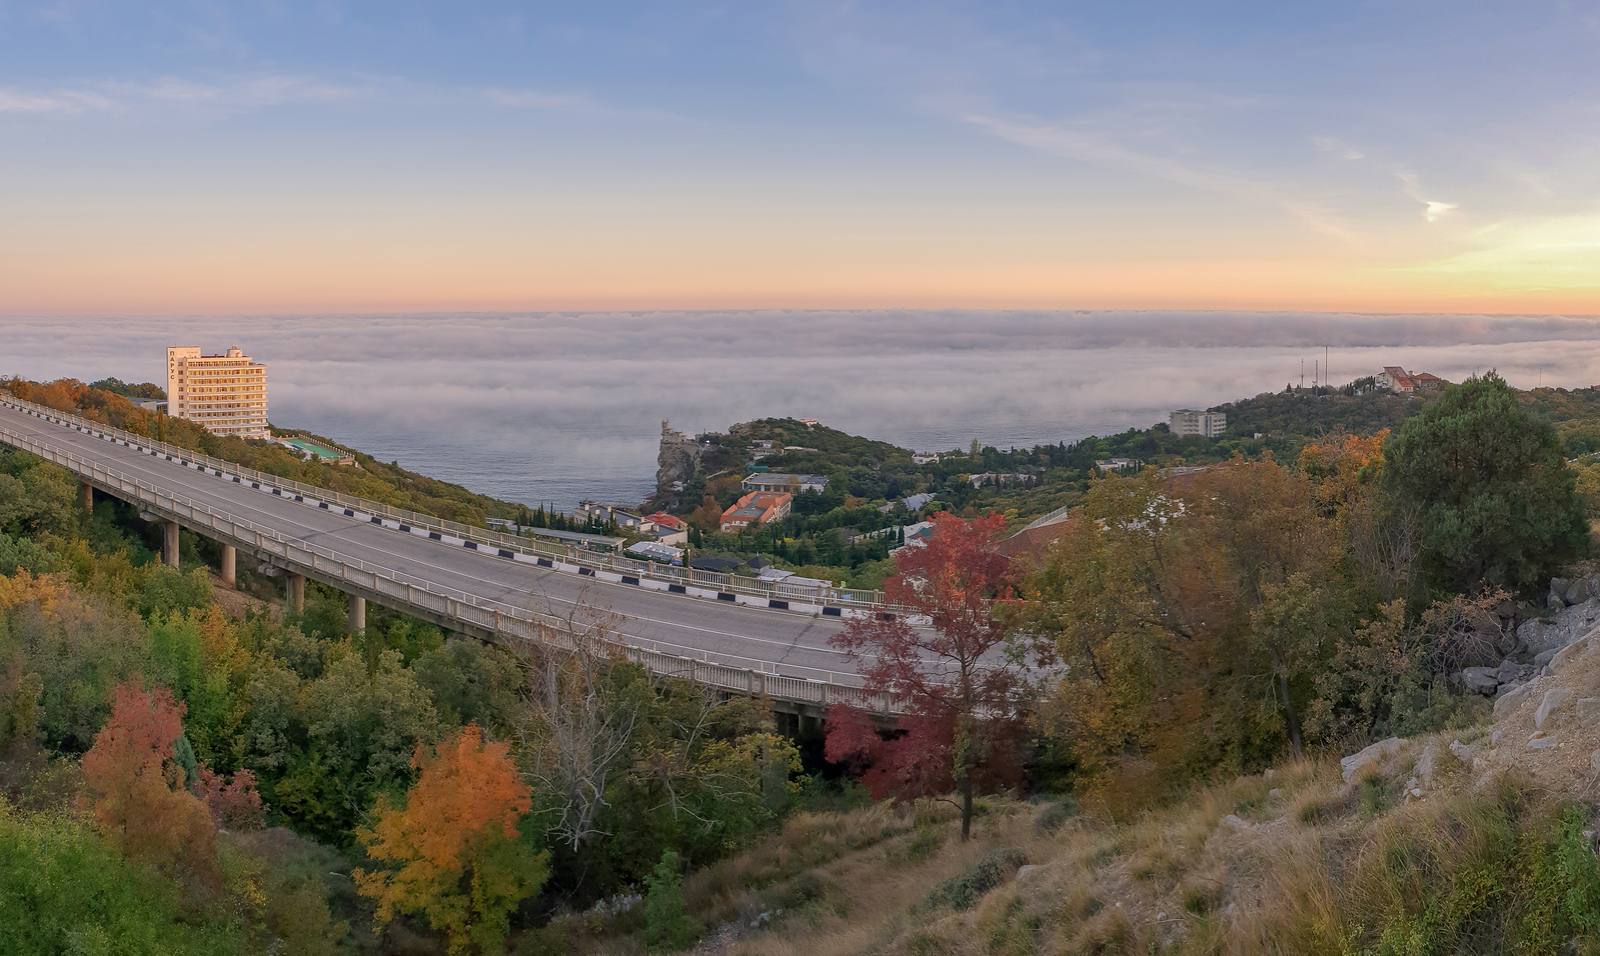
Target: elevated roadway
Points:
(728, 640)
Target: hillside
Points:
(1477, 840)
(369, 478)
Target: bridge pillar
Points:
(169, 543)
(297, 593)
(86, 496)
(358, 613)
(229, 562)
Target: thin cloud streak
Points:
(250, 93)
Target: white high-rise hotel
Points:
(227, 394)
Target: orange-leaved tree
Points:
(455, 843)
(138, 785)
(962, 690)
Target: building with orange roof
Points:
(756, 508)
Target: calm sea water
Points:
(559, 407)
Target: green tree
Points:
(667, 926)
(1491, 483)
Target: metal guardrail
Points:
(732, 583)
(1060, 514)
(496, 617)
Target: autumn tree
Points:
(961, 689)
(1195, 615)
(455, 846)
(140, 795)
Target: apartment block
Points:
(1187, 421)
(225, 394)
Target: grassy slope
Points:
(1494, 853)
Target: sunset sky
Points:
(274, 156)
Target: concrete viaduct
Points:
(729, 632)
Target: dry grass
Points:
(1308, 865)
(1311, 854)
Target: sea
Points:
(554, 408)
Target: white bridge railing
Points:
(505, 621)
(732, 583)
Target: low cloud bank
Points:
(556, 407)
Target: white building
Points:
(778, 482)
(226, 394)
(1187, 421)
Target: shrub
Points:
(1055, 816)
(962, 892)
(667, 926)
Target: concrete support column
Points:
(229, 561)
(169, 543)
(358, 613)
(297, 593)
(86, 496)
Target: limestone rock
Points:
(1588, 708)
(1484, 680)
(1594, 761)
(1543, 657)
(1507, 688)
(1509, 670)
(1510, 702)
(1463, 752)
(1577, 592)
(1553, 698)
(1541, 741)
(1370, 755)
(1561, 628)
(1567, 655)
(1426, 765)
(1234, 821)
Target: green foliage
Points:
(166, 590)
(471, 682)
(21, 554)
(64, 891)
(1490, 482)
(356, 733)
(962, 891)
(667, 926)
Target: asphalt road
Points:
(782, 642)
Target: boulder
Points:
(1552, 699)
(1554, 600)
(1577, 592)
(1509, 670)
(1235, 821)
(1540, 741)
(1508, 688)
(1463, 752)
(1426, 764)
(1594, 761)
(1352, 764)
(1543, 657)
(1588, 709)
(1561, 628)
(1570, 653)
(1510, 702)
(1483, 680)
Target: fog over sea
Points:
(557, 407)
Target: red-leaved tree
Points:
(953, 674)
(138, 786)
(233, 804)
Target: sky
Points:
(279, 157)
